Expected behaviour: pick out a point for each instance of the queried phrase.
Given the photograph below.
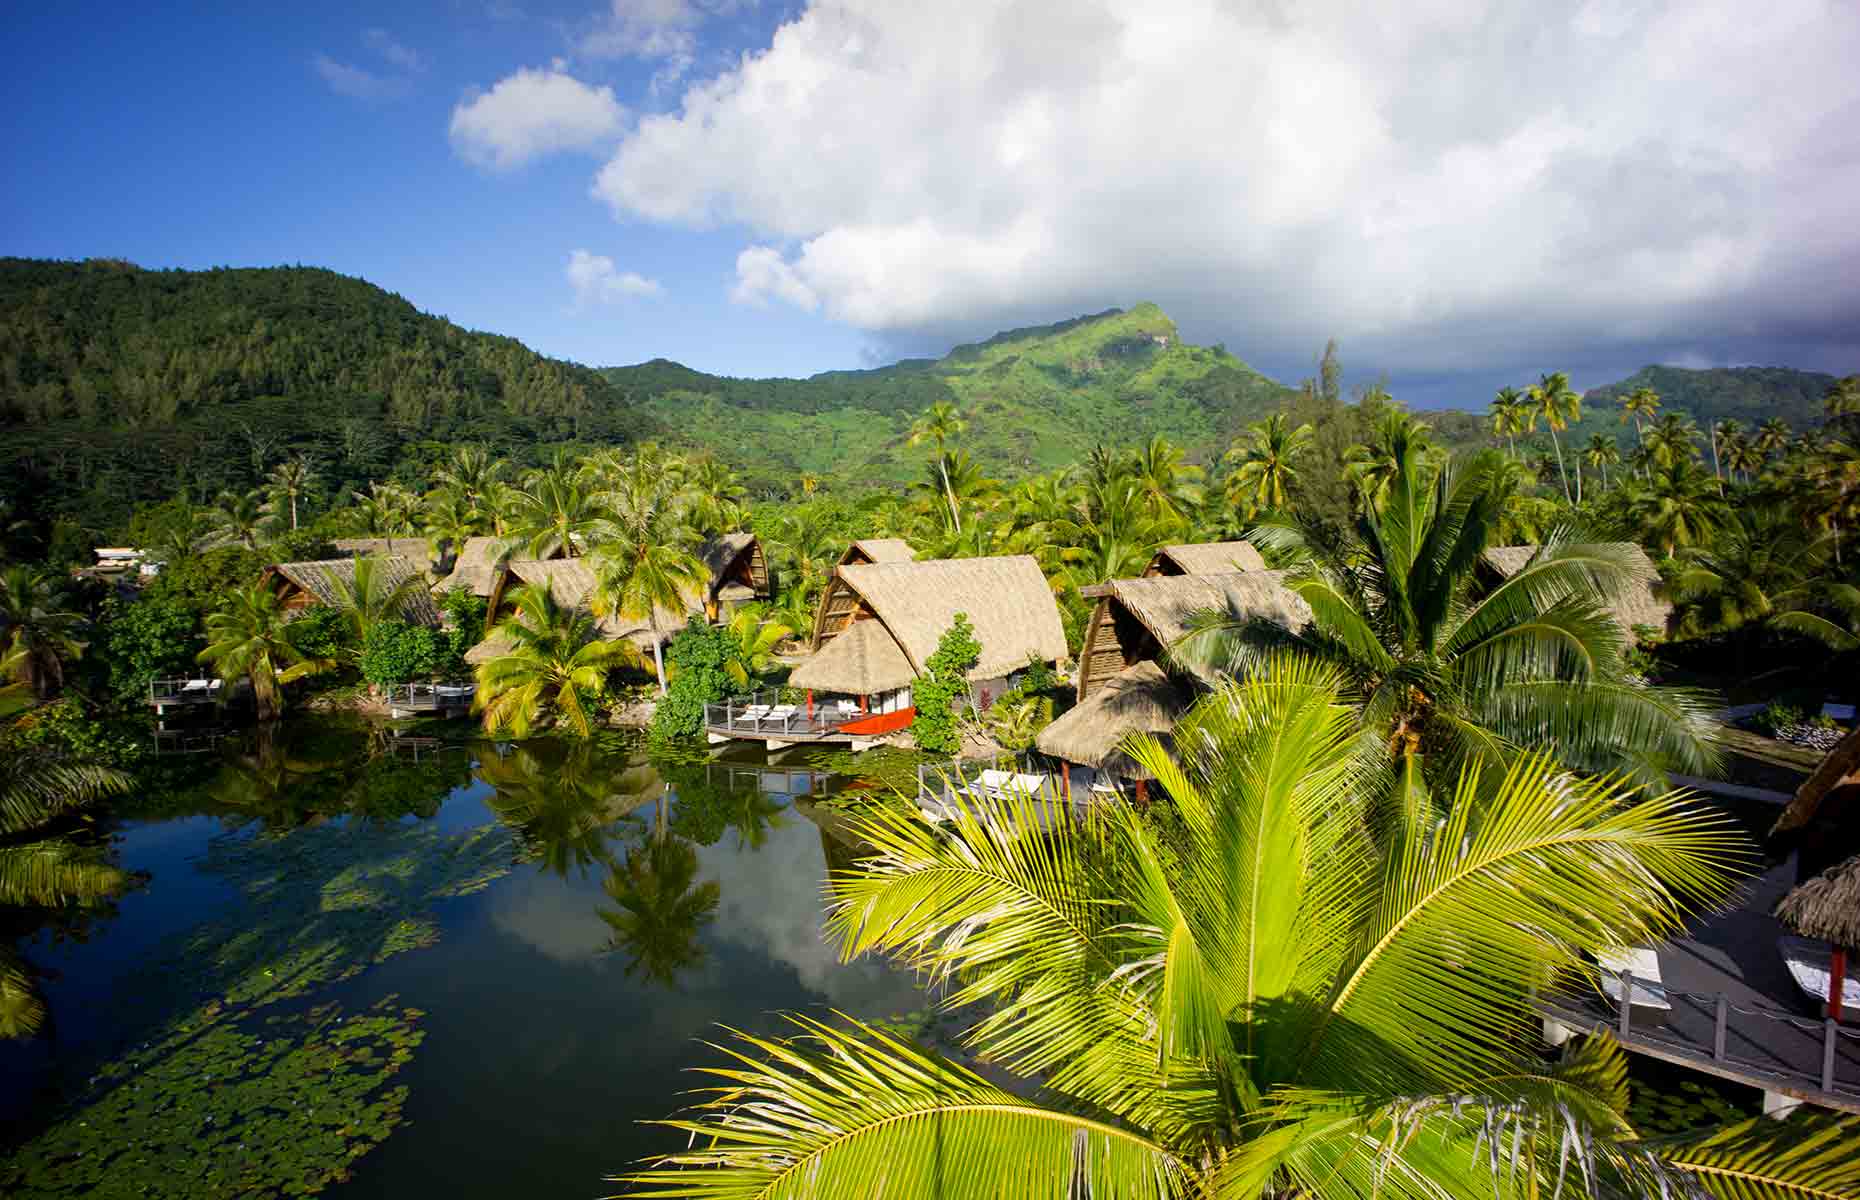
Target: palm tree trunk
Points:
(1578, 479)
(942, 466)
(1640, 439)
(1714, 461)
(1561, 470)
(293, 512)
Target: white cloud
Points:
(661, 31)
(1447, 184)
(597, 281)
(382, 42)
(533, 112)
(356, 82)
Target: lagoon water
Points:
(380, 968)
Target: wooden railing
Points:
(750, 716)
(1817, 1060)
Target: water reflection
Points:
(568, 802)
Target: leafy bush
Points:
(397, 652)
(465, 614)
(937, 693)
(63, 725)
(697, 659)
(1014, 721)
(201, 581)
(321, 632)
(145, 639)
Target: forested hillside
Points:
(118, 383)
(1034, 399)
(1751, 395)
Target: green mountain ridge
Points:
(1034, 398)
(119, 384)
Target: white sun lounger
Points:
(1809, 965)
(454, 690)
(781, 712)
(753, 714)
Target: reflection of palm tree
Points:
(662, 908)
(38, 868)
(566, 810)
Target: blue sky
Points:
(762, 189)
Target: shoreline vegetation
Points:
(1306, 955)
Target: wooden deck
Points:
(1737, 1014)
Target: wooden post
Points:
(1837, 979)
(1627, 999)
(1143, 793)
(810, 704)
(1065, 774)
(1829, 1034)
(862, 704)
(1717, 1037)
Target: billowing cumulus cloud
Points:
(531, 113)
(1449, 185)
(596, 280)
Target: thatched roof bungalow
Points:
(1142, 698)
(871, 550)
(1822, 820)
(879, 622)
(1639, 602)
(416, 550)
(1206, 558)
(738, 573)
(304, 584)
(1138, 620)
(476, 567)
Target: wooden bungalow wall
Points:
(1114, 640)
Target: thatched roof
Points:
(1637, 603)
(318, 580)
(1839, 771)
(871, 550)
(415, 549)
(1007, 600)
(474, 568)
(1206, 558)
(1164, 603)
(1827, 907)
(862, 661)
(571, 584)
(1139, 699)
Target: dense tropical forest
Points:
(120, 385)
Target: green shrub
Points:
(696, 658)
(1776, 718)
(65, 726)
(321, 632)
(937, 693)
(147, 638)
(397, 652)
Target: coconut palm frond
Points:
(38, 787)
(1602, 725)
(22, 1012)
(1810, 1156)
(1459, 938)
(843, 1112)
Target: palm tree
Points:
(1761, 571)
(713, 495)
(564, 800)
(649, 566)
(1673, 438)
(38, 634)
(1115, 535)
(369, 596)
(805, 545)
(251, 636)
(960, 481)
(292, 480)
(234, 519)
(472, 473)
(554, 515)
(555, 665)
(940, 424)
(660, 908)
(1772, 436)
(1558, 404)
(1292, 992)
(1842, 398)
(1265, 468)
(1723, 435)
(1677, 507)
(42, 868)
(1370, 467)
(449, 518)
(1602, 453)
(1640, 403)
(754, 640)
(1451, 671)
(387, 510)
(1167, 484)
(1744, 455)
(810, 482)
(1511, 415)
(1831, 497)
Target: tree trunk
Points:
(293, 512)
(1714, 462)
(1579, 480)
(942, 466)
(1561, 470)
